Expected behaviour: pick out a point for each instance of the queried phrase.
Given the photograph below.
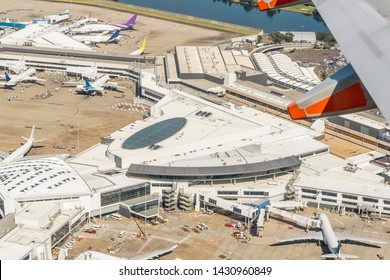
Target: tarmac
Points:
(71, 122)
(216, 243)
(162, 36)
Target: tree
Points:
(321, 35)
(323, 75)
(289, 37)
(277, 37)
(330, 40)
(259, 38)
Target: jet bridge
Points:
(299, 219)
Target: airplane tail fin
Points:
(131, 21)
(339, 256)
(7, 78)
(143, 46)
(114, 36)
(32, 135)
(347, 256)
(87, 84)
(338, 248)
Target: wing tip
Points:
(295, 112)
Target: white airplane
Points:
(25, 76)
(85, 20)
(332, 239)
(22, 150)
(98, 86)
(140, 50)
(361, 27)
(95, 39)
(111, 27)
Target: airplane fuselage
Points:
(21, 77)
(22, 150)
(328, 234)
(93, 28)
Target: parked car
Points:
(90, 230)
(200, 226)
(238, 234)
(204, 225)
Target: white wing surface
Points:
(362, 29)
(308, 236)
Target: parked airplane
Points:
(140, 50)
(127, 25)
(332, 239)
(102, 38)
(85, 20)
(361, 29)
(25, 76)
(98, 86)
(93, 28)
(24, 149)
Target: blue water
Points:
(223, 10)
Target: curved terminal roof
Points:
(40, 177)
(154, 133)
(216, 172)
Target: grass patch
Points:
(302, 8)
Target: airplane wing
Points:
(155, 254)
(101, 81)
(344, 236)
(308, 236)
(3, 155)
(33, 79)
(362, 28)
(112, 85)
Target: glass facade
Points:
(368, 199)
(329, 194)
(60, 234)
(236, 173)
(348, 196)
(256, 193)
(227, 192)
(145, 206)
(125, 194)
(2, 213)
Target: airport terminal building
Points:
(188, 154)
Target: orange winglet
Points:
(265, 5)
(348, 98)
(295, 112)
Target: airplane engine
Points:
(341, 93)
(265, 5)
